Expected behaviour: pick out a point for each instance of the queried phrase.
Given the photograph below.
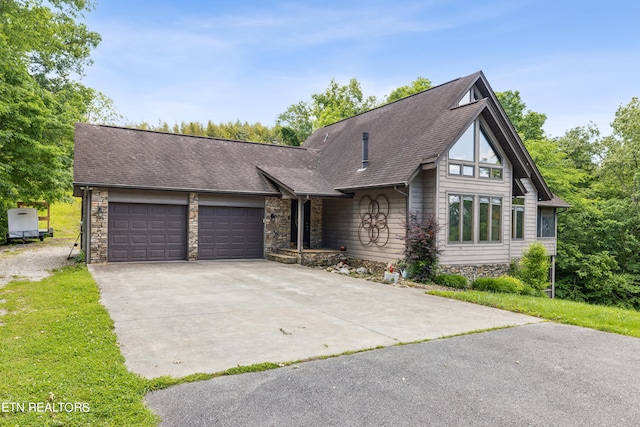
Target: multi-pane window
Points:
(517, 218)
(474, 152)
(464, 226)
(546, 222)
(460, 218)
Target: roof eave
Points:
(179, 189)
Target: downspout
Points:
(86, 224)
(301, 229)
(407, 212)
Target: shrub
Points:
(533, 267)
(452, 280)
(505, 284)
(421, 251)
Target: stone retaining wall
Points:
(472, 272)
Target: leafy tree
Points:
(295, 124)
(418, 85)
(336, 103)
(620, 169)
(558, 170)
(41, 47)
(528, 124)
(340, 102)
(231, 130)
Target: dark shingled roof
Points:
(117, 157)
(404, 136)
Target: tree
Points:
(418, 85)
(558, 170)
(528, 124)
(620, 169)
(336, 103)
(41, 48)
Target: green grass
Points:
(57, 345)
(65, 219)
(608, 319)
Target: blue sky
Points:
(575, 61)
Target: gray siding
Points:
(422, 193)
(474, 253)
(148, 197)
(342, 226)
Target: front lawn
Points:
(608, 319)
(59, 359)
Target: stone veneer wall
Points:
(277, 232)
(192, 231)
(374, 266)
(99, 226)
(316, 223)
(472, 272)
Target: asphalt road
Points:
(541, 374)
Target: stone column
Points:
(316, 223)
(193, 227)
(99, 235)
(277, 227)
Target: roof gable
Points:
(405, 136)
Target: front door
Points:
(306, 237)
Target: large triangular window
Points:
(474, 155)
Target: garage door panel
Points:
(142, 232)
(138, 224)
(138, 239)
(230, 232)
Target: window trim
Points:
(477, 224)
(495, 172)
(515, 208)
(551, 212)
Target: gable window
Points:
(474, 152)
(517, 218)
(469, 97)
(463, 223)
(546, 222)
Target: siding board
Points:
(342, 221)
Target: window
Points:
(463, 223)
(460, 218)
(546, 222)
(470, 96)
(474, 151)
(517, 218)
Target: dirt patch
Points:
(31, 261)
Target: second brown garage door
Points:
(230, 232)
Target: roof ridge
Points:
(210, 138)
(402, 99)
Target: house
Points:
(450, 152)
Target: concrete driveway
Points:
(202, 317)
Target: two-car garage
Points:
(141, 229)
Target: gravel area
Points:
(32, 261)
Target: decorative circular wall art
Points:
(373, 229)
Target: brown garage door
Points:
(229, 232)
(141, 232)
